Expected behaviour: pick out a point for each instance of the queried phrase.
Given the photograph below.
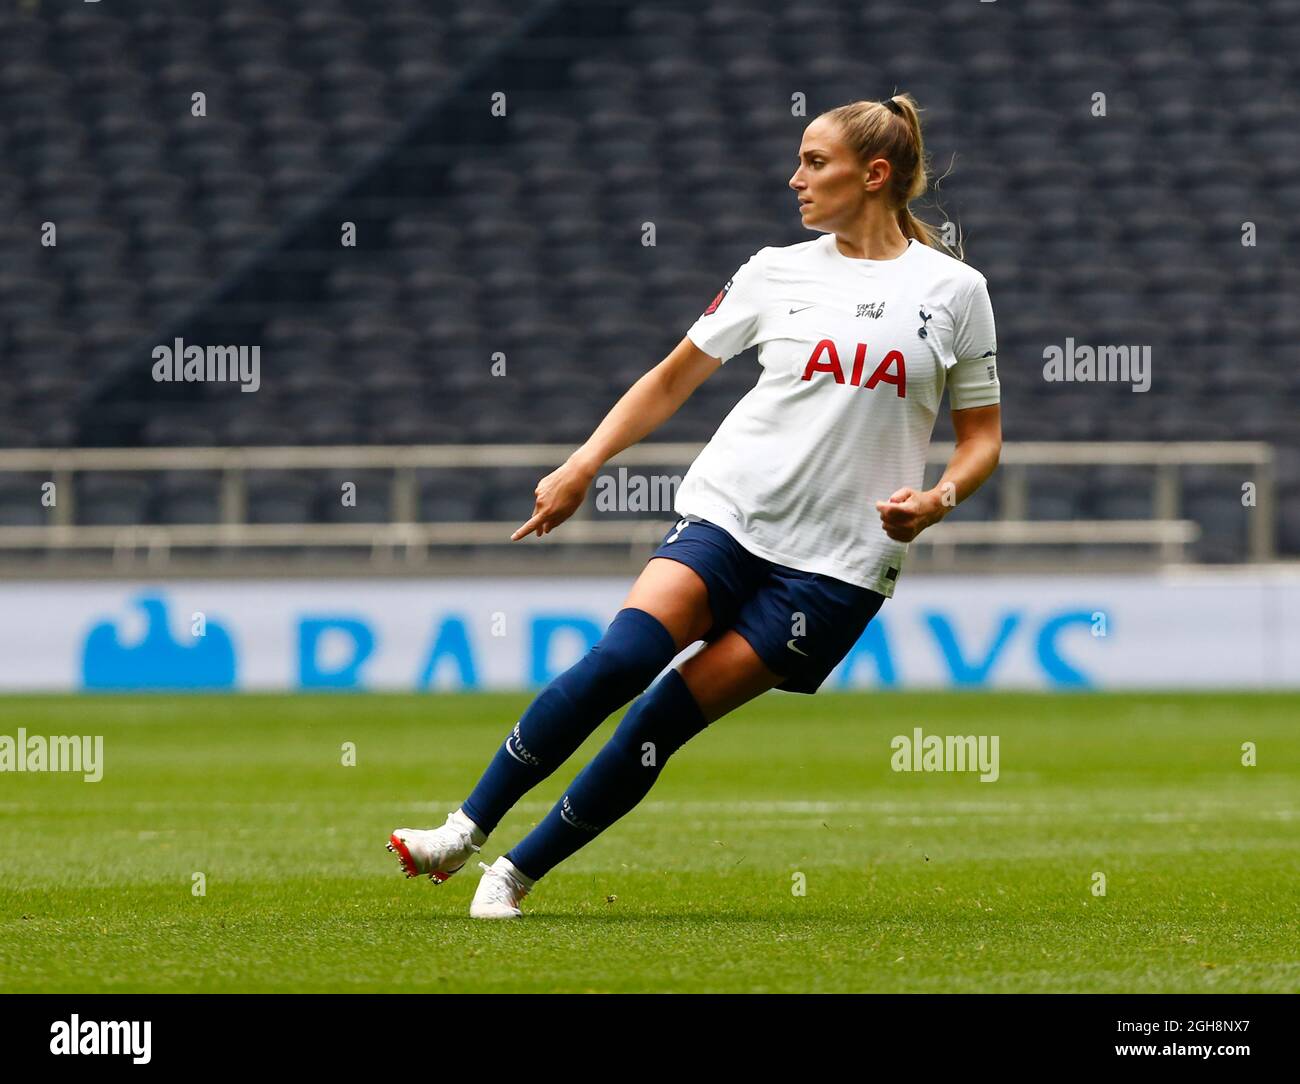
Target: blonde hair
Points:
(873, 130)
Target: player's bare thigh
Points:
(726, 674)
(675, 595)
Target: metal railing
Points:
(403, 531)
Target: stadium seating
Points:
(524, 234)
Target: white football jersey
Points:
(854, 357)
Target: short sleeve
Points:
(973, 380)
(730, 324)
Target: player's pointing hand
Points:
(558, 496)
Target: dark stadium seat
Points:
(445, 496)
(103, 499)
(195, 427)
(276, 496)
(1212, 496)
(1117, 493)
(1054, 492)
(185, 497)
(368, 494)
(21, 500)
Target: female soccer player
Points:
(794, 519)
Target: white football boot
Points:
(499, 892)
(437, 852)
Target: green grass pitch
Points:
(912, 881)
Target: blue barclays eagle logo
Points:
(157, 661)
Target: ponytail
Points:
(892, 130)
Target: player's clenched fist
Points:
(559, 495)
(907, 513)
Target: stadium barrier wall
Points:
(1184, 628)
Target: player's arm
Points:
(978, 432)
(645, 406)
(979, 446)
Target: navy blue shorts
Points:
(801, 624)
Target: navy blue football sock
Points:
(658, 724)
(634, 648)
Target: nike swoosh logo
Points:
(800, 309)
(989, 354)
(790, 644)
